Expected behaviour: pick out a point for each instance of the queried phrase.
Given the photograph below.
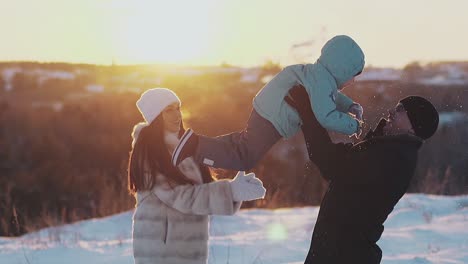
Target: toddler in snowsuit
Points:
(272, 118)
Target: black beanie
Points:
(422, 114)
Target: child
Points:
(340, 61)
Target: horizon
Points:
(239, 33)
(223, 64)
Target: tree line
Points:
(59, 165)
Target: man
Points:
(367, 179)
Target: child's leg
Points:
(239, 150)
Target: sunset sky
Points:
(239, 32)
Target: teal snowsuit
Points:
(272, 118)
(340, 60)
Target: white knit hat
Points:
(153, 101)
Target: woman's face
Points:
(172, 117)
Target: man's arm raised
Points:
(322, 151)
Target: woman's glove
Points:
(247, 187)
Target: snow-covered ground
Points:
(380, 74)
(422, 229)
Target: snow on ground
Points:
(442, 80)
(95, 88)
(45, 75)
(450, 118)
(422, 229)
(380, 74)
(8, 75)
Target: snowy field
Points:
(422, 229)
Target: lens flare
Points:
(277, 232)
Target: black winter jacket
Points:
(366, 182)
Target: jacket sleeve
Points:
(324, 104)
(343, 102)
(214, 198)
(322, 151)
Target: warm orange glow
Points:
(164, 31)
(238, 32)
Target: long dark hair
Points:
(150, 152)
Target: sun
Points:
(162, 31)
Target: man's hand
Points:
(358, 133)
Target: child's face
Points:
(348, 83)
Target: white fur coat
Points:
(170, 225)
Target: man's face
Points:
(398, 121)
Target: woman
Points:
(173, 204)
